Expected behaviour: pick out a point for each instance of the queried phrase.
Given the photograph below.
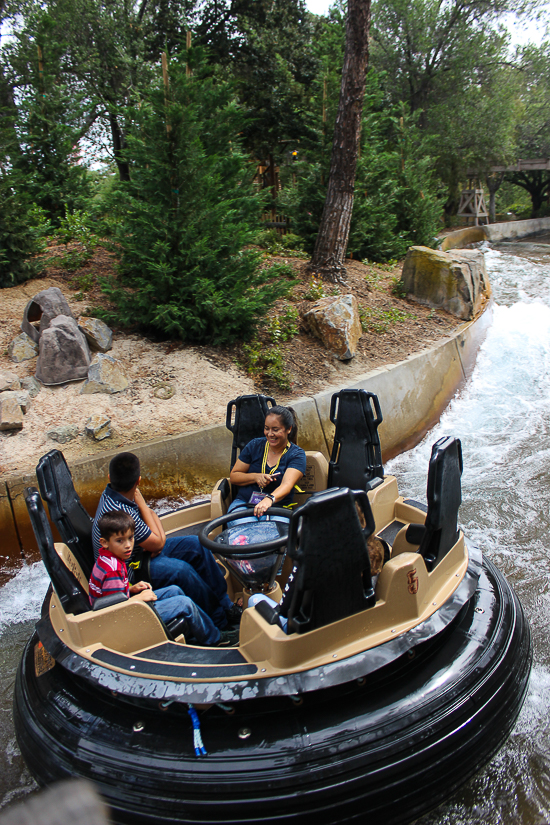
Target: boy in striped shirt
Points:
(110, 575)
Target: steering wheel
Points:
(232, 551)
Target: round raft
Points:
(378, 702)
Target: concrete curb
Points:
(413, 393)
(494, 232)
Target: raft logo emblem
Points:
(412, 581)
(42, 660)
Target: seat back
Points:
(245, 419)
(66, 510)
(331, 577)
(356, 459)
(444, 499)
(68, 586)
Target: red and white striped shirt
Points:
(110, 575)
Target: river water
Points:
(502, 417)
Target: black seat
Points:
(331, 578)
(66, 510)
(65, 582)
(440, 531)
(356, 459)
(250, 412)
(70, 591)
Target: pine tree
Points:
(187, 215)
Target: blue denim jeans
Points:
(187, 564)
(171, 604)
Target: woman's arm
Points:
(240, 477)
(290, 478)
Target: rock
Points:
(64, 433)
(104, 375)
(336, 322)
(44, 307)
(21, 396)
(98, 335)
(11, 417)
(22, 348)
(98, 426)
(9, 381)
(455, 281)
(31, 385)
(64, 353)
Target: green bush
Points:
(21, 236)
(185, 219)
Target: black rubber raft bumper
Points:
(384, 748)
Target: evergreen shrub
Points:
(184, 221)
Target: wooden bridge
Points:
(472, 200)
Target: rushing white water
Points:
(502, 417)
(503, 420)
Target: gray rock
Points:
(44, 307)
(455, 281)
(31, 385)
(64, 353)
(11, 417)
(22, 348)
(64, 433)
(98, 427)
(104, 375)
(98, 335)
(9, 381)
(21, 396)
(336, 322)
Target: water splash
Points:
(21, 598)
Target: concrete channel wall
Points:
(494, 232)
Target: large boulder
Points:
(104, 375)
(22, 348)
(64, 354)
(455, 281)
(44, 307)
(336, 322)
(98, 335)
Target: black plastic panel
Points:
(198, 671)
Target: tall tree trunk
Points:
(118, 146)
(332, 239)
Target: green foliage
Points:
(186, 216)
(21, 234)
(380, 320)
(275, 244)
(76, 227)
(395, 195)
(264, 357)
(398, 288)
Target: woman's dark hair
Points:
(124, 472)
(288, 418)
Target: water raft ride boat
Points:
(375, 705)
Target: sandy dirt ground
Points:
(203, 379)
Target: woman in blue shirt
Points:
(268, 468)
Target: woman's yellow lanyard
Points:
(264, 462)
(264, 467)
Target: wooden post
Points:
(188, 69)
